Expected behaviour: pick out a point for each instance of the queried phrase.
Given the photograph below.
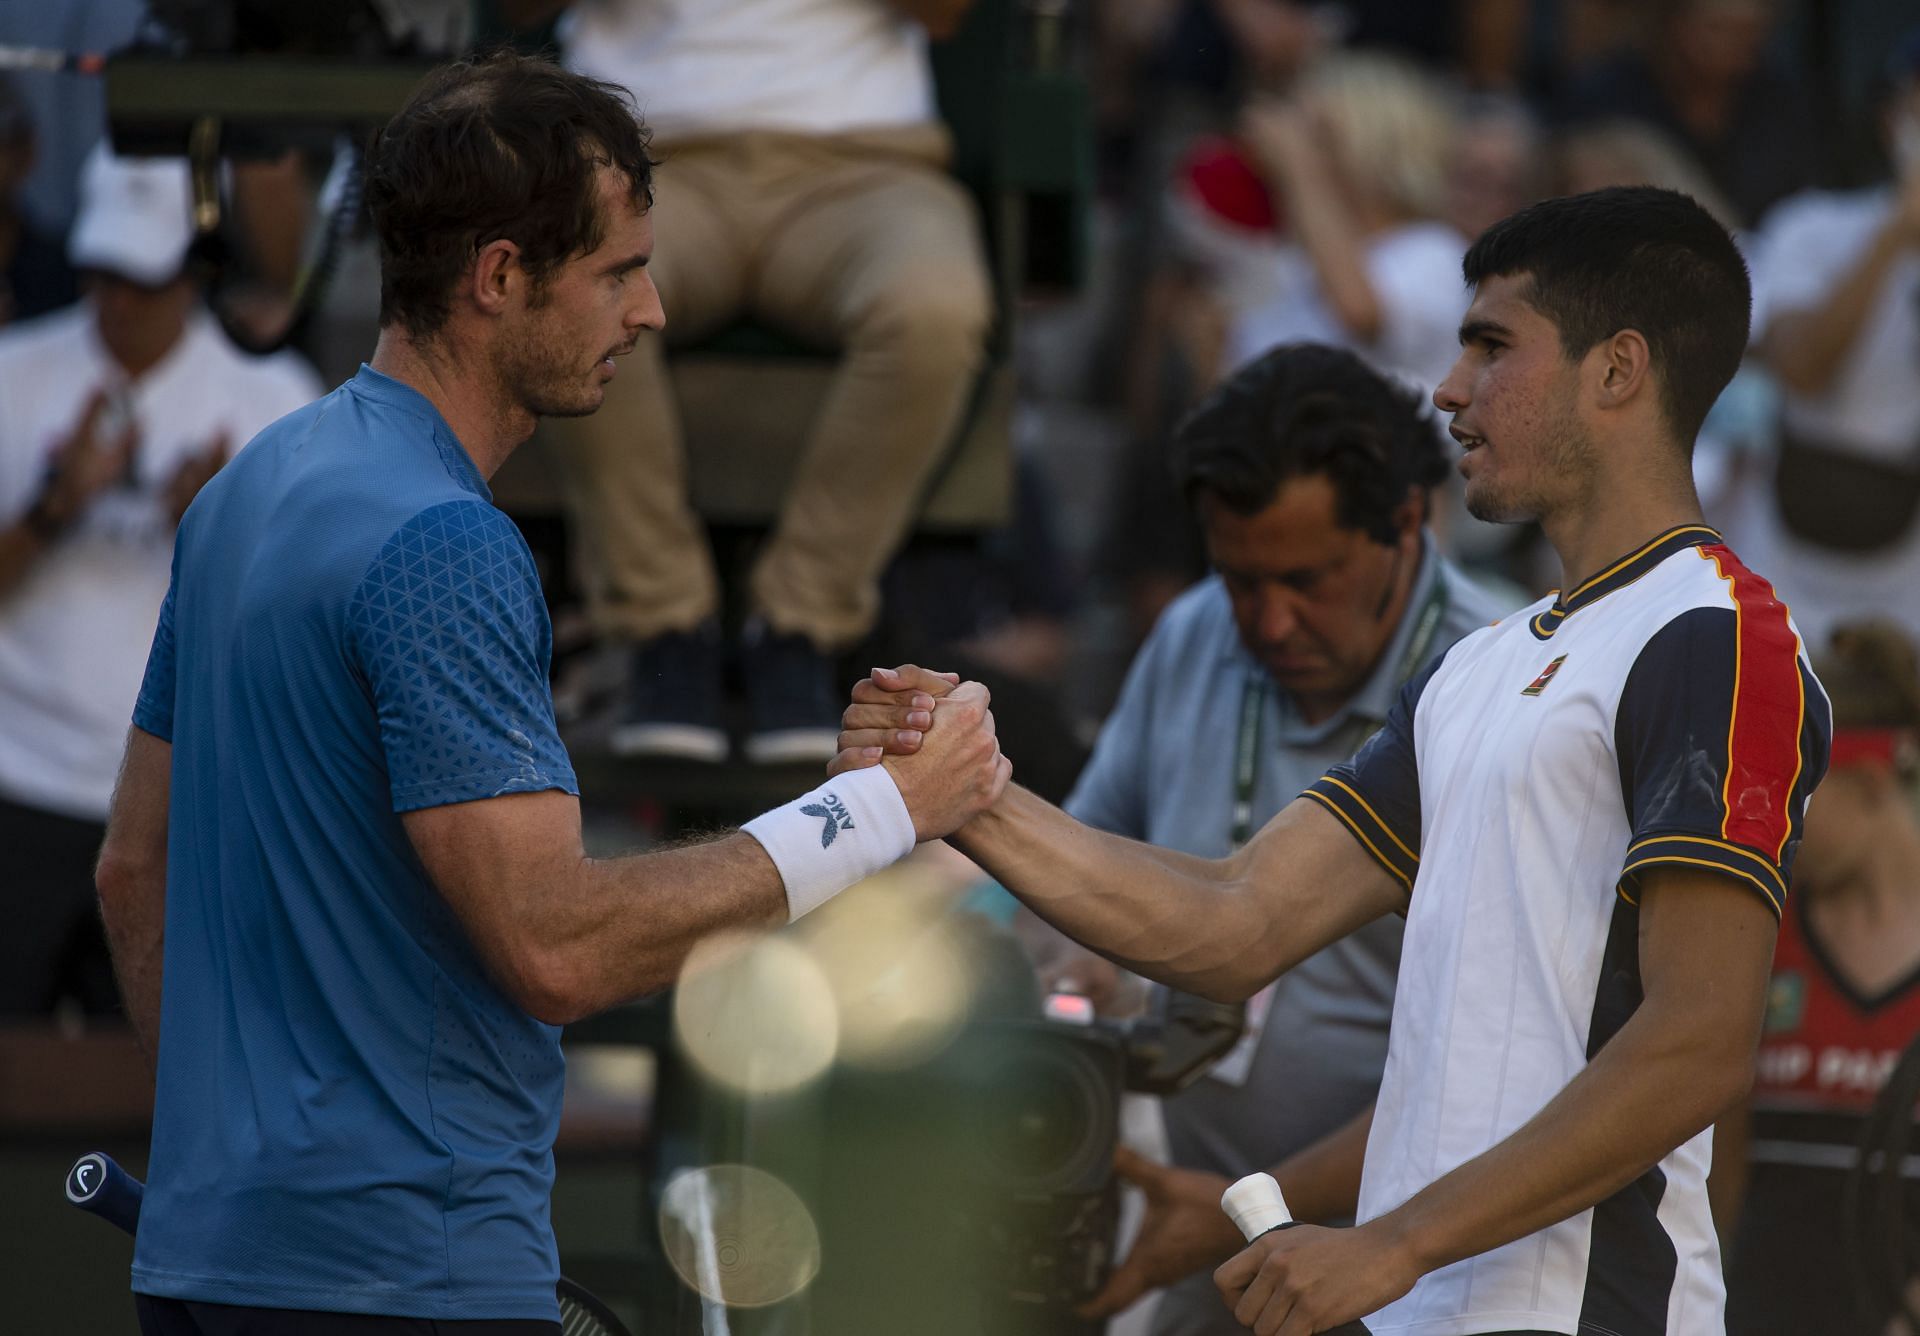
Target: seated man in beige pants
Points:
(802, 184)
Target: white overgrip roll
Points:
(1255, 1205)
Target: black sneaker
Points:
(673, 698)
(793, 708)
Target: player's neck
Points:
(487, 425)
(1593, 535)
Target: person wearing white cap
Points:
(118, 408)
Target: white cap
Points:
(136, 217)
(1255, 1205)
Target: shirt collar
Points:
(1375, 698)
(1619, 574)
(385, 390)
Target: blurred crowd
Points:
(1266, 172)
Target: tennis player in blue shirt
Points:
(345, 823)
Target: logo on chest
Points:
(1539, 684)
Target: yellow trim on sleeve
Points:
(1361, 835)
(1776, 903)
(1773, 870)
(1367, 807)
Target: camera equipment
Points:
(1052, 1137)
(972, 1192)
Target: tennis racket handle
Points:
(97, 1184)
(1255, 1205)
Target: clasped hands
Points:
(947, 774)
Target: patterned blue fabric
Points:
(451, 630)
(350, 1115)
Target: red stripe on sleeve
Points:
(1769, 709)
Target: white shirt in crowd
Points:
(700, 67)
(1805, 249)
(1415, 273)
(74, 633)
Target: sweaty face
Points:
(1307, 594)
(557, 356)
(1513, 397)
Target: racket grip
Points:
(97, 1184)
(1257, 1207)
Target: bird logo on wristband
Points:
(834, 818)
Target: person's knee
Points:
(937, 318)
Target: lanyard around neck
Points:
(1253, 705)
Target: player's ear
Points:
(1625, 367)
(495, 274)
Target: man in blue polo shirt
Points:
(345, 822)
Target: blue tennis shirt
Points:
(350, 1115)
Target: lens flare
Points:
(755, 1013)
(901, 977)
(738, 1235)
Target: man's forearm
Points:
(1806, 348)
(134, 912)
(1333, 244)
(1653, 1086)
(1217, 928)
(633, 920)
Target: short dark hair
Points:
(1632, 257)
(498, 145)
(1308, 409)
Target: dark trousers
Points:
(53, 946)
(180, 1317)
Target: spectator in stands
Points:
(34, 275)
(1310, 472)
(1495, 167)
(1357, 162)
(1843, 1006)
(117, 410)
(1598, 154)
(1702, 75)
(804, 186)
(1837, 320)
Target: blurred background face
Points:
(1720, 41)
(1491, 173)
(1839, 825)
(1306, 592)
(139, 324)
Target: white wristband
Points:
(847, 829)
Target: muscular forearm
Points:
(1330, 237)
(1806, 348)
(624, 926)
(1656, 1084)
(134, 912)
(1177, 919)
(1218, 928)
(131, 878)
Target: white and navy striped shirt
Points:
(1663, 713)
